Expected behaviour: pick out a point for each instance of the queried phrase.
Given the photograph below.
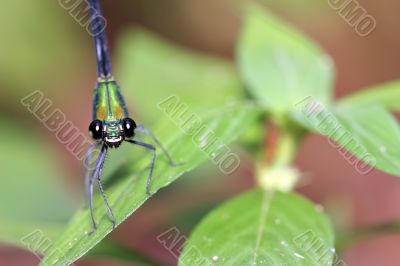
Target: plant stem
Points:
(275, 171)
(282, 143)
(286, 149)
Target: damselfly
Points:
(111, 123)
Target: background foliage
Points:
(276, 68)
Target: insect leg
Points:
(110, 213)
(91, 183)
(150, 147)
(148, 132)
(88, 168)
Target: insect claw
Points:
(93, 231)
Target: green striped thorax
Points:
(111, 123)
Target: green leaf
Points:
(22, 234)
(29, 178)
(387, 95)
(127, 192)
(279, 65)
(152, 69)
(369, 132)
(262, 228)
(32, 192)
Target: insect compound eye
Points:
(96, 129)
(129, 127)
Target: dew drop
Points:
(298, 255)
(215, 258)
(333, 250)
(283, 243)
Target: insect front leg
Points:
(88, 168)
(110, 213)
(99, 164)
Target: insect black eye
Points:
(129, 127)
(96, 129)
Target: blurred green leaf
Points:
(260, 228)
(387, 95)
(31, 183)
(40, 48)
(151, 69)
(32, 193)
(279, 65)
(369, 132)
(17, 233)
(127, 193)
(375, 136)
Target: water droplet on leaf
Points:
(298, 255)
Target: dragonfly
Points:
(111, 125)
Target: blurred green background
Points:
(43, 48)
